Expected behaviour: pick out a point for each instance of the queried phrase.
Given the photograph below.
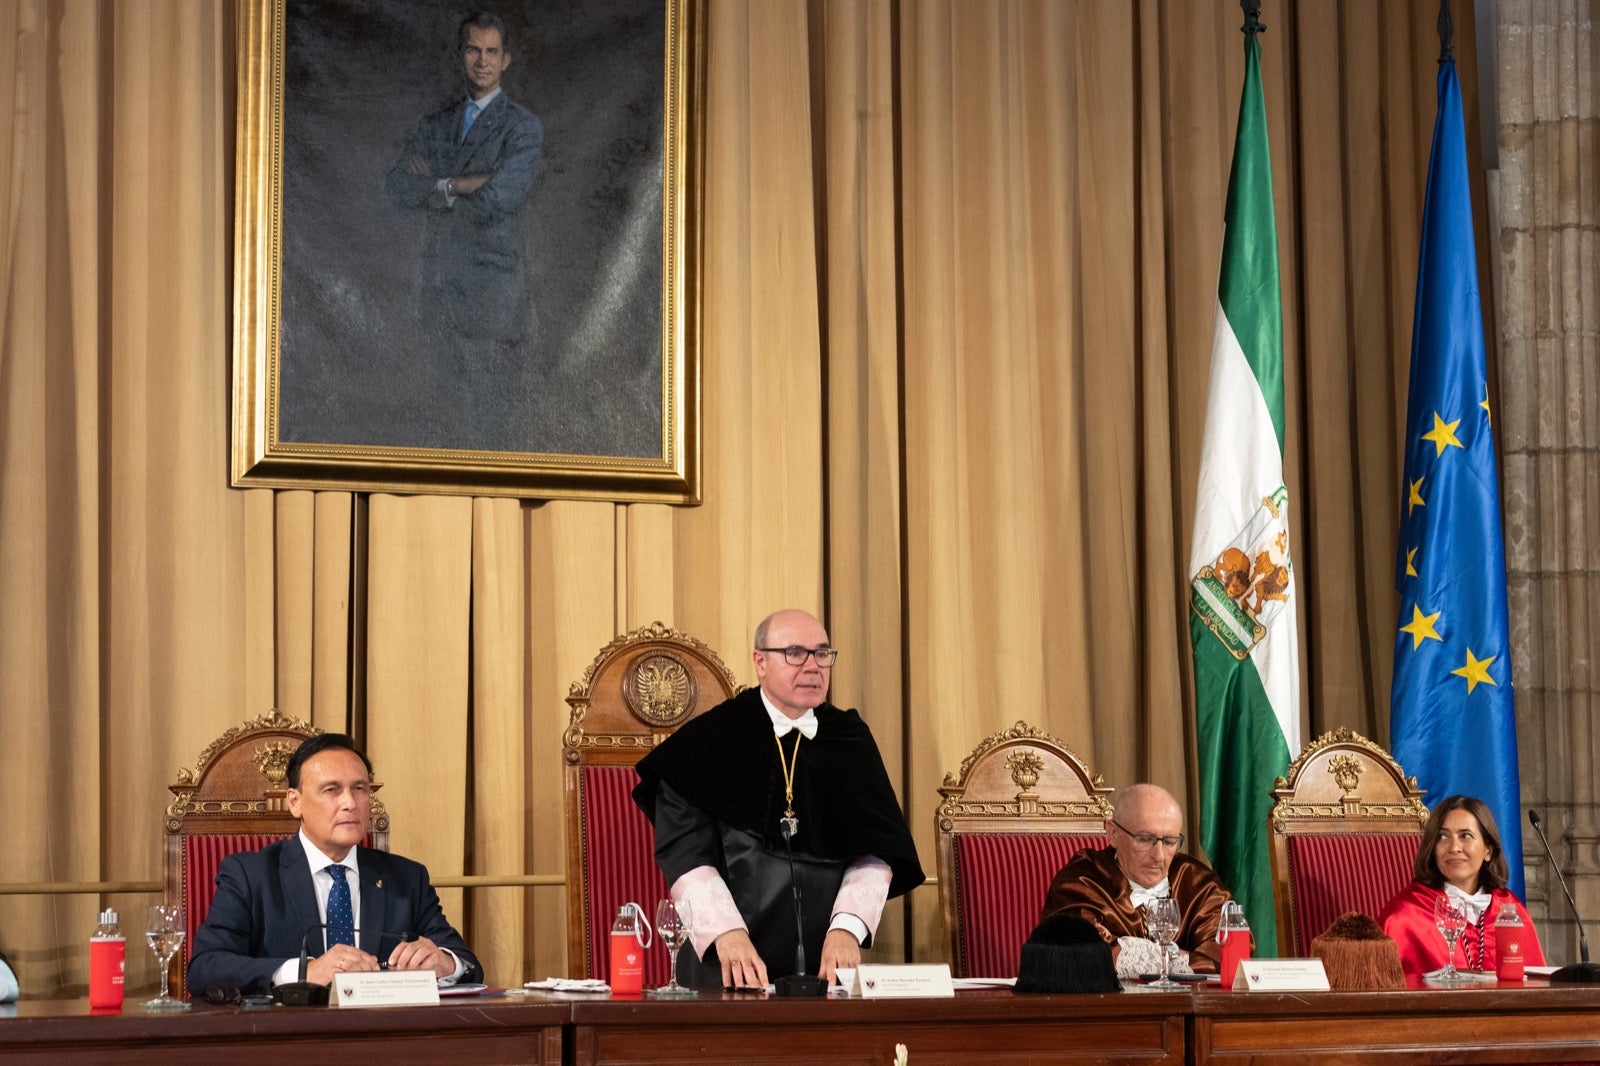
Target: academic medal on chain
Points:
(789, 825)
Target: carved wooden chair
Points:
(1345, 826)
(1021, 805)
(640, 687)
(233, 800)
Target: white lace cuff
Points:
(1139, 956)
(862, 893)
(711, 907)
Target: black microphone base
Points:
(799, 985)
(301, 994)
(1583, 972)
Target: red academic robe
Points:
(1408, 918)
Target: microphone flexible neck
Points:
(1583, 938)
(799, 921)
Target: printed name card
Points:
(1281, 975)
(385, 988)
(881, 981)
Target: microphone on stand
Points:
(303, 993)
(1584, 971)
(797, 983)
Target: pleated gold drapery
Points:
(959, 295)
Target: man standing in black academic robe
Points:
(719, 791)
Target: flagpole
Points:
(1252, 18)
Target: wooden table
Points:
(478, 1030)
(1531, 1023)
(991, 1028)
(1515, 1024)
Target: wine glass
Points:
(164, 931)
(1451, 920)
(1161, 918)
(674, 920)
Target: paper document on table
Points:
(465, 989)
(564, 984)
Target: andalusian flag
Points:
(1242, 607)
(1451, 715)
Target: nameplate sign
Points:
(385, 988)
(915, 980)
(1281, 975)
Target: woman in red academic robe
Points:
(1459, 857)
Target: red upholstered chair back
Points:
(1338, 872)
(639, 688)
(619, 866)
(1001, 879)
(233, 800)
(202, 856)
(1021, 805)
(1345, 826)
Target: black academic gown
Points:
(715, 792)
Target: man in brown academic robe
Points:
(1109, 886)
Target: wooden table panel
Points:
(1532, 1023)
(500, 1030)
(991, 1028)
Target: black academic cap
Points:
(1066, 954)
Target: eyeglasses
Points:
(795, 655)
(1150, 840)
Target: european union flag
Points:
(1452, 719)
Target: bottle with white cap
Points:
(108, 952)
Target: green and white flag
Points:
(1242, 602)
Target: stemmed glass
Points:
(1161, 918)
(1451, 920)
(164, 932)
(674, 920)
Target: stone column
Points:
(1543, 205)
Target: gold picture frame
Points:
(335, 387)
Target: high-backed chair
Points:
(1345, 826)
(640, 687)
(1021, 805)
(233, 800)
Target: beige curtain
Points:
(959, 277)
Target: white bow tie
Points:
(806, 724)
(1142, 895)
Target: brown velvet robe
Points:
(1094, 887)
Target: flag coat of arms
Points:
(1242, 589)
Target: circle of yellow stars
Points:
(1424, 626)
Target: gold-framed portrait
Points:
(467, 249)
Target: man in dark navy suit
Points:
(468, 167)
(375, 906)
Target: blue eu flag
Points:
(1452, 719)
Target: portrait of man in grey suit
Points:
(467, 170)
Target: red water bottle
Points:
(1233, 936)
(107, 961)
(630, 935)
(1508, 930)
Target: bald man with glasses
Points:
(1109, 886)
(777, 767)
